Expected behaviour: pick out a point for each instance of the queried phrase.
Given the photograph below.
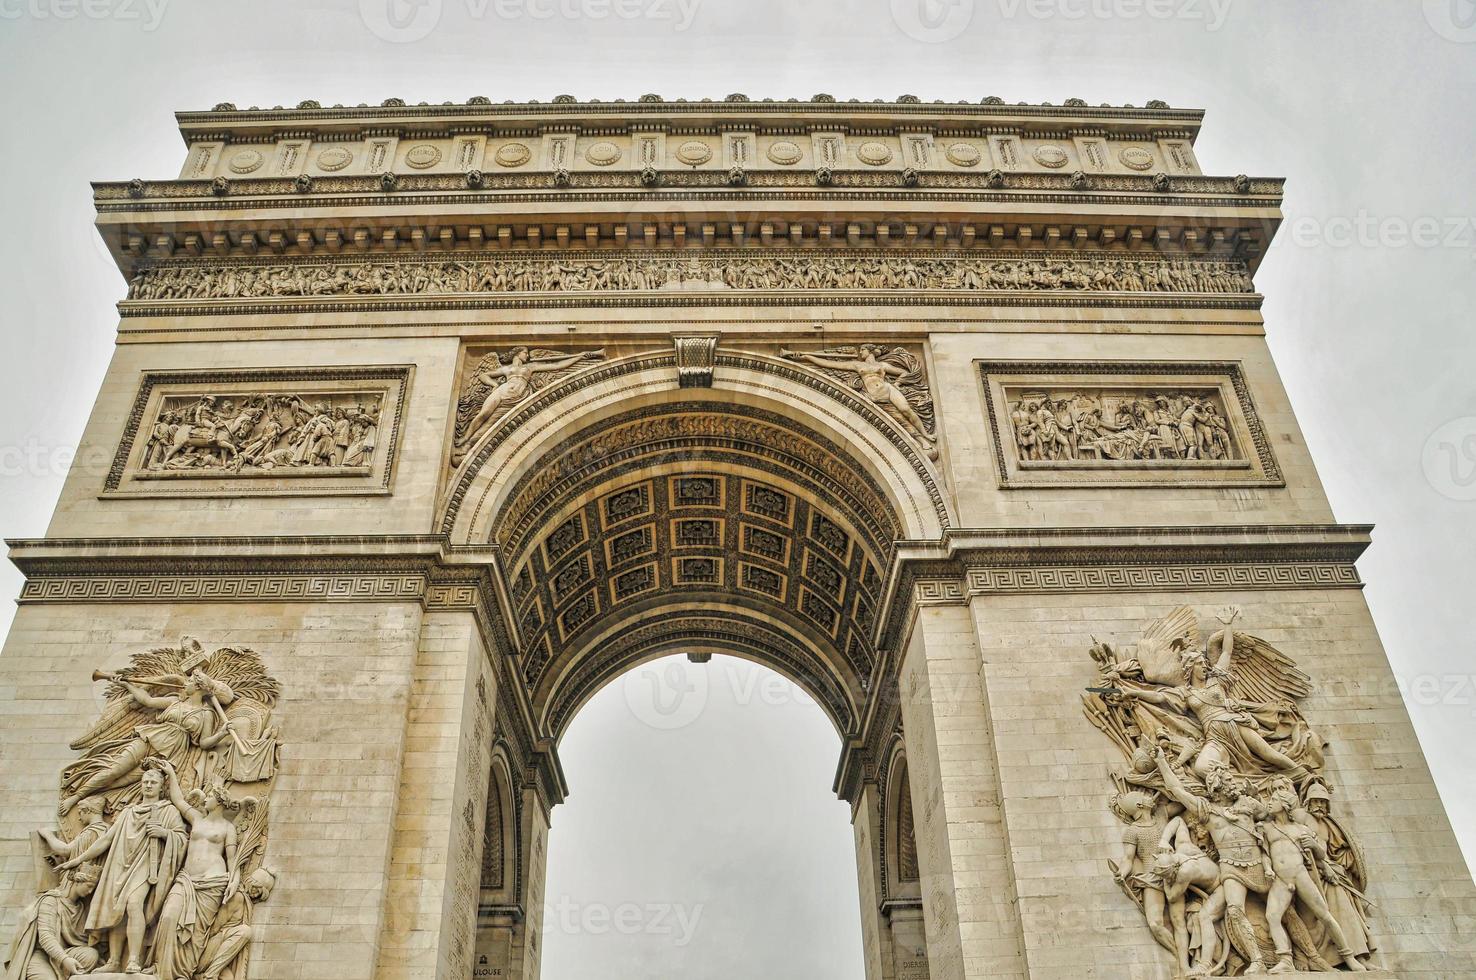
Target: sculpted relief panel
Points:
(892, 379)
(1231, 848)
(1125, 424)
(563, 272)
(499, 381)
(158, 861)
(333, 431)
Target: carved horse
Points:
(221, 436)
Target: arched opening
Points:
(751, 521)
(700, 838)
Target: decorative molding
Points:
(829, 183)
(971, 562)
(694, 357)
(280, 422)
(1168, 578)
(1014, 393)
(162, 285)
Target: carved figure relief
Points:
(500, 381)
(1125, 423)
(1086, 424)
(262, 431)
(158, 861)
(565, 273)
(1230, 848)
(893, 379)
(234, 433)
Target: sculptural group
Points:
(158, 862)
(1230, 847)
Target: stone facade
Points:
(962, 416)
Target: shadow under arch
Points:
(632, 517)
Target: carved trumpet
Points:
(108, 675)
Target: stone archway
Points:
(630, 519)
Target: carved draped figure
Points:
(1223, 720)
(187, 922)
(138, 860)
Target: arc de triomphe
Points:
(424, 422)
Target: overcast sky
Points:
(1365, 106)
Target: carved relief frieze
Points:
(157, 864)
(262, 432)
(479, 273)
(1228, 814)
(1124, 424)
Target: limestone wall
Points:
(347, 672)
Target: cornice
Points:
(734, 111)
(969, 562)
(359, 191)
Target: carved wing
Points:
(474, 393)
(913, 384)
(542, 379)
(251, 834)
(1157, 651)
(122, 714)
(244, 671)
(1261, 672)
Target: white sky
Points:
(1366, 106)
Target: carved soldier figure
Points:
(1292, 847)
(1230, 818)
(1343, 874)
(51, 940)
